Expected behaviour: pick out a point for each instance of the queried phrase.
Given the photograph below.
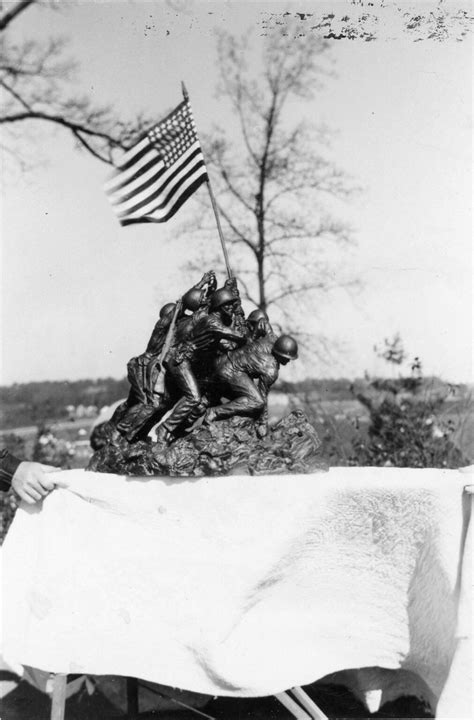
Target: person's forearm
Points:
(8, 466)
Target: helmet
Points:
(257, 315)
(192, 299)
(285, 347)
(221, 297)
(167, 309)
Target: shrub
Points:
(406, 427)
(409, 433)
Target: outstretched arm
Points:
(8, 466)
(239, 315)
(209, 279)
(31, 481)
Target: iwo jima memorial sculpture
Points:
(202, 383)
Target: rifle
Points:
(157, 386)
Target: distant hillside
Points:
(341, 388)
(38, 402)
(24, 404)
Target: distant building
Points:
(80, 412)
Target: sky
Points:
(80, 294)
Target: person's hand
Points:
(212, 283)
(207, 277)
(32, 481)
(231, 283)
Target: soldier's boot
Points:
(163, 435)
(198, 412)
(209, 423)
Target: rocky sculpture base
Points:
(224, 447)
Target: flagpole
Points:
(218, 222)
(214, 205)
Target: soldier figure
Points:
(236, 372)
(145, 403)
(259, 328)
(195, 345)
(138, 368)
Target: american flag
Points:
(158, 174)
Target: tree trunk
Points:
(260, 254)
(261, 283)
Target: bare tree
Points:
(35, 82)
(272, 180)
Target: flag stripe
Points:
(150, 218)
(132, 155)
(161, 195)
(143, 165)
(159, 187)
(159, 209)
(143, 186)
(146, 172)
(135, 183)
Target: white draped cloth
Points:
(241, 586)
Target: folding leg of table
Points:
(304, 709)
(58, 700)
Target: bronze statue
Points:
(204, 380)
(204, 359)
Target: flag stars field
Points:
(173, 137)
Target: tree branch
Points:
(234, 190)
(10, 15)
(89, 147)
(77, 129)
(247, 293)
(17, 97)
(245, 134)
(237, 232)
